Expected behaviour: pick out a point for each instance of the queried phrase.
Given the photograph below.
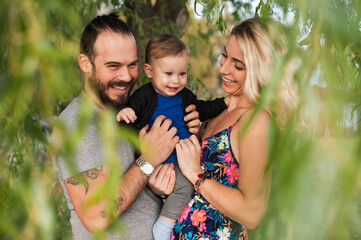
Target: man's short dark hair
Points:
(110, 22)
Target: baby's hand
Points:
(127, 115)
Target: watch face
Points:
(147, 168)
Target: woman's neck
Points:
(239, 102)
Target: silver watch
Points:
(144, 166)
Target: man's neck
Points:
(88, 92)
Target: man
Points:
(108, 58)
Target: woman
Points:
(232, 182)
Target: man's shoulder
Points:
(71, 112)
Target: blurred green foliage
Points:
(316, 190)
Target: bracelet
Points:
(200, 180)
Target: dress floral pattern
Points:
(199, 219)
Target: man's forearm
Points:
(130, 186)
(100, 214)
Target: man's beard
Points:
(104, 97)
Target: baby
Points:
(166, 63)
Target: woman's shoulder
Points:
(256, 121)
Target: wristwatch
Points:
(144, 166)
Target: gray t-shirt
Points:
(139, 219)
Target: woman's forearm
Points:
(234, 204)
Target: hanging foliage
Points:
(316, 190)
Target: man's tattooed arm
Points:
(82, 178)
(99, 211)
(117, 204)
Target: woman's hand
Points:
(162, 179)
(189, 154)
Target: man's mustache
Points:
(120, 83)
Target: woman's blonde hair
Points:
(263, 44)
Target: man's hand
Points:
(162, 179)
(127, 115)
(157, 144)
(192, 119)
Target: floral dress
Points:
(199, 219)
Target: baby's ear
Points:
(148, 70)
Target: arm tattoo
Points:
(117, 203)
(81, 178)
(93, 173)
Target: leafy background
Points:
(316, 190)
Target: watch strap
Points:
(141, 163)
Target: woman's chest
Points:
(217, 124)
